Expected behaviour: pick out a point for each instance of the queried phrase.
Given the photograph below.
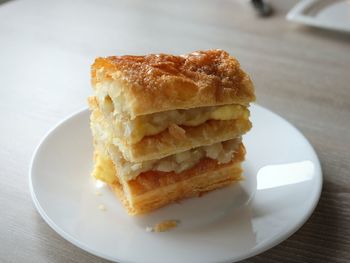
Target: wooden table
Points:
(46, 48)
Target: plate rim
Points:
(251, 253)
(296, 14)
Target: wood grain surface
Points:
(46, 48)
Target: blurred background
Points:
(47, 47)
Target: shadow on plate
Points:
(322, 33)
(197, 212)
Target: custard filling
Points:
(147, 125)
(222, 152)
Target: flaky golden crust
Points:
(191, 187)
(152, 190)
(154, 83)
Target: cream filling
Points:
(152, 124)
(133, 130)
(223, 152)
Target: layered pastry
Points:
(168, 127)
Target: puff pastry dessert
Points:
(167, 127)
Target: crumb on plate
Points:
(102, 207)
(149, 229)
(165, 225)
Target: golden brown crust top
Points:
(162, 82)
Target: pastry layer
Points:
(170, 141)
(152, 190)
(222, 152)
(140, 85)
(134, 130)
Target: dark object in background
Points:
(263, 9)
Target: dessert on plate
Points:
(168, 127)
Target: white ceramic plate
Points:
(282, 187)
(328, 14)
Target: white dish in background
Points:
(328, 14)
(282, 187)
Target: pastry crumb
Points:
(102, 207)
(149, 229)
(165, 225)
